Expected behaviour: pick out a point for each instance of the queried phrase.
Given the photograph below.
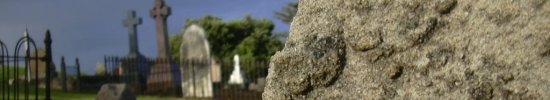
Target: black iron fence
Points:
(149, 77)
(22, 72)
(130, 70)
(70, 76)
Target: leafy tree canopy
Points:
(250, 38)
(286, 15)
(288, 12)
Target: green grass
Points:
(56, 95)
(10, 71)
(60, 95)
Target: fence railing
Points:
(23, 72)
(70, 79)
(139, 72)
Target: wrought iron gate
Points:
(18, 81)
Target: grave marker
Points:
(197, 76)
(132, 22)
(164, 77)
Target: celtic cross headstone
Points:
(131, 23)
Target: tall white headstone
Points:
(26, 46)
(236, 77)
(196, 78)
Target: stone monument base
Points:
(164, 80)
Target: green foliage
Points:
(84, 74)
(250, 38)
(286, 15)
(175, 44)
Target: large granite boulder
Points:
(115, 92)
(415, 49)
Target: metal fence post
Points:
(77, 75)
(48, 59)
(63, 74)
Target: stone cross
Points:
(131, 22)
(164, 77)
(160, 13)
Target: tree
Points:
(258, 47)
(286, 15)
(175, 44)
(288, 12)
(248, 37)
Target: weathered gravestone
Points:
(216, 73)
(115, 92)
(164, 77)
(196, 67)
(38, 67)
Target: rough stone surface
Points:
(415, 49)
(115, 92)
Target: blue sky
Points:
(91, 29)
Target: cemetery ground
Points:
(60, 95)
(56, 94)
